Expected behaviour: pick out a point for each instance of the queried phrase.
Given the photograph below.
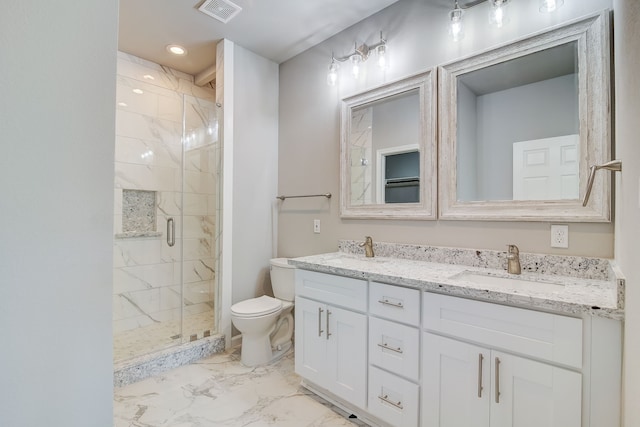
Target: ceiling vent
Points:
(222, 10)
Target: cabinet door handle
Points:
(480, 359)
(385, 399)
(497, 380)
(328, 314)
(386, 347)
(171, 232)
(393, 304)
(320, 331)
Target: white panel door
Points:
(346, 337)
(456, 383)
(546, 169)
(310, 341)
(527, 393)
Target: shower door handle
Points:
(171, 232)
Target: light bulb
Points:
(549, 6)
(455, 28)
(332, 77)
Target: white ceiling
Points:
(274, 29)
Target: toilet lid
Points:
(256, 306)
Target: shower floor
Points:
(159, 336)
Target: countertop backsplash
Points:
(558, 265)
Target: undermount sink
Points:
(511, 282)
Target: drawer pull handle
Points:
(328, 314)
(320, 310)
(497, 380)
(386, 347)
(385, 399)
(393, 304)
(480, 358)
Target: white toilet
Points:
(266, 323)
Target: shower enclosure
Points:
(166, 246)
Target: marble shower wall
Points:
(361, 156)
(148, 156)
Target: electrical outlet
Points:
(316, 226)
(559, 236)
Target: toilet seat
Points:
(256, 307)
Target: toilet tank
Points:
(282, 279)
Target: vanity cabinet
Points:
(506, 366)
(398, 356)
(331, 334)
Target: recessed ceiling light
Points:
(176, 49)
(138, 91)
(122, 104)
(149, 77)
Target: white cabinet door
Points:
(346, 337)
(331, 346)
(455, 383)
(310, 341)
(468, 385)
(528, 393)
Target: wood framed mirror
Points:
(388, 151)
(520, 126)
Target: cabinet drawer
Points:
(395, 303)
(338, 290)
(393, 399)
(394, 347)
(541, 335)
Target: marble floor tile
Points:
(220, 391)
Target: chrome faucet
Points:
(513, 260)
(368, 247)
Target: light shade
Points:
(356, 59)
(456, 29)
(498, 13)
(550, 5)
(332, 77)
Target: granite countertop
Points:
(549, 292)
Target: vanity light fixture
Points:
(359, 55)
(497, 13)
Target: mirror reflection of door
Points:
(399, 174)
(546, 169)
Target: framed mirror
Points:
(388, 151)
(520, 126)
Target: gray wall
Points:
(57, 124)
(255, 171)
(627, 46)
(309, 155)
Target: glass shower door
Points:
(201, 175)
(147, 297)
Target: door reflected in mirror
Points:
(518, 128)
